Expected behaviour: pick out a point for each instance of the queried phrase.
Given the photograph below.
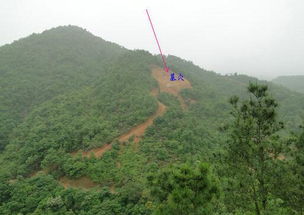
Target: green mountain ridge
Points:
(39, 67)
(66, 90)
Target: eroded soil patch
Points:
(171, 87)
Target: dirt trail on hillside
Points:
(165, 85)
(83, 182)
(98, 152)
(137, 132)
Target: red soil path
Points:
(83, 182)
(137, 132)
(165, 85)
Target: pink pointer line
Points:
(165, 65)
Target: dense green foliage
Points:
(43, 195)
(293, 192)
(41, 67)
(295, 83)
(66, 90)
(87, 117)
(213, 90)
(184, 189)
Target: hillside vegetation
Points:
(65, 94)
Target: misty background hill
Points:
(66, 90)
(295, 83)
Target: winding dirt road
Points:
(165, 85)
(138, 131)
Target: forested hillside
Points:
(40, 67)
(89, 127)
(295, 83)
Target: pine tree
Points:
(253, 147)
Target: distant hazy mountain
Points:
(295, 83)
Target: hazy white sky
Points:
(262, 38)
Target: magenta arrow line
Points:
(161, 53)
